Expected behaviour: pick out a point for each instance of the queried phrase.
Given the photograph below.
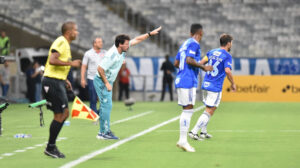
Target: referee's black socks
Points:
(55, 128)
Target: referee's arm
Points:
(53, 60)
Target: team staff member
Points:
(90, 61)
(55, 83)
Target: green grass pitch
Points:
(245, 135)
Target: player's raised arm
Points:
(143, 37)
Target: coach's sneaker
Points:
(55, 153)
(110, 135)
(186, 147)
(205, 135)
(100, 136)
(195, 136)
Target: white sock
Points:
(201, 123)
(184, 124)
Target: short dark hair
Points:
(67, 26)
(195, 27)
(224, 39)
(167, 56)
(120, 39)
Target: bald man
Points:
(90, 61)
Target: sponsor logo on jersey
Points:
(192, 52)
(206, 84)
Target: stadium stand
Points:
(261, 28)
(92, 17)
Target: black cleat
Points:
(55, 153)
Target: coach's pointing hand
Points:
(155, 31)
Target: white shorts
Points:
(186, 96)
(211, 99)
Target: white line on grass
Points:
(20, 150)
(64, 138)
(240, 131)
(27, 148)
(110, 147)
(289, 130)
(132, 117)
(8, 154)
(39, 145)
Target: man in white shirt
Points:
(90, 62)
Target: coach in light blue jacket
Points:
(108, 70)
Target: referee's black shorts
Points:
(55, 92)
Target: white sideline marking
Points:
(30, 147)
(27, 148)
(110, 147)
(130, 118)
(20, 150)
(239, 131)
(289, 130)
(7, 154)
(64, 138)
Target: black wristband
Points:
(149, 34)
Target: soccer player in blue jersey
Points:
(188, 61)
(108, 70)
(212, 84)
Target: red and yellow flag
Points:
(82, 111)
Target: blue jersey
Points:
(219, 59)
(187, 76)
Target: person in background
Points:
(90, 61)
(4, 44)
(4, 78)
(168, 68)
(37, 78)
(30, 82)
(124, 75)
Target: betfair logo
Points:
(291, 88)
(250, 89)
